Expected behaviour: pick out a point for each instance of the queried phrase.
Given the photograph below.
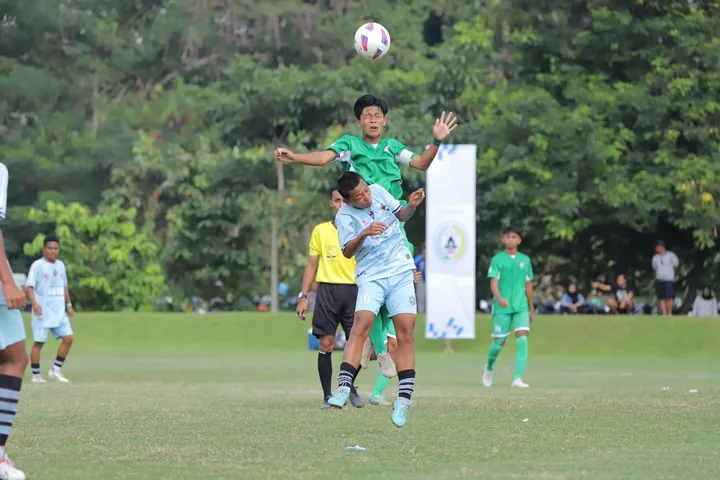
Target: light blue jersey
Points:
(48, 281)
(380, 256)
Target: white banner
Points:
(450, 243)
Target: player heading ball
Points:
(369, 229)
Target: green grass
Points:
(236, 397)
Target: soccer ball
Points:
(372, 41)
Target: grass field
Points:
(237, 396)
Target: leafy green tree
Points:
(110, 264)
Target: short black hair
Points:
(660, 243)
(333, 190)
(369, 100)
(51, 238)
(347, 183)
(512, 230)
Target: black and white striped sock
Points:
(35, 368)
(59, 361)
(9, 398)
(406, 384)
(347, 375)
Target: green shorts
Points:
(503, 323)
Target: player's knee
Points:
(405, 334)
(391, 345)
(327, 343)
(38, 345)
(363, 325)
(521, 333)
(68, 340)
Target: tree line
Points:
(142, 132)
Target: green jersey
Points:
(377, 164)
(512, 272)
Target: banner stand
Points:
(450, 244)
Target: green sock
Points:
(494, 352)
(377, 335)
(521, 355)
(380, 384)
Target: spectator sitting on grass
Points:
(622, 301)
(572, 300)
(705, 305)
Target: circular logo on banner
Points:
(450, 242)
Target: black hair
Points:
(347, 183)
(369, 100)
(512, 230)
(660, 243)
(51, 238)
(333, 190)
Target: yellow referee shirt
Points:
(333, 267)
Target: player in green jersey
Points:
(510, 277)
(376, 159)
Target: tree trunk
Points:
(95, 103)
(274, 260)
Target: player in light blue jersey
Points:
(13, 358)
(47, 288)
(369, 229)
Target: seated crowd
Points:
(620, 297)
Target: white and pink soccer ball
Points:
(372, 41)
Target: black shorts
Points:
(665, 289)
(334, 305)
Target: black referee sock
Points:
(325, 372)
(357, 372)
(347, 375)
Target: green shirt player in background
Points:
(376, 159)
(510, 277)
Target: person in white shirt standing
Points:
(665, 263)
(47, 288)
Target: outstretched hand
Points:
(444, 126)
(284, 155)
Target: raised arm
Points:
(416, 198)
(441, 130)
(315, 159)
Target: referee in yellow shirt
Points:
(336, 295)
